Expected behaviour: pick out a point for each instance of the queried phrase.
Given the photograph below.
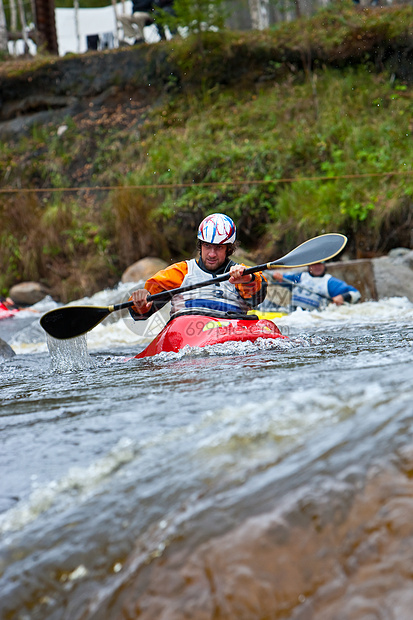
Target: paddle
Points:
(73, 321)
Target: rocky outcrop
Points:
(393, 278)
(342, 553)
(406, 259)
(70, 85)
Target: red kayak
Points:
(7, 313)
(201, 331)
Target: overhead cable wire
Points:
(98, 188)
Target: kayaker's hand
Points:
(338, 300)
(277, 276)
(236, 272)
(140, 305)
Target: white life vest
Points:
(221, 297)
(310, 301)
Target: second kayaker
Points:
(216, 243)
(315, 288)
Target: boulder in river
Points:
(393, 279)
(6, 352)
(28, 293)
(407, 259)
(143, 269)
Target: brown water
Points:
(233, 483)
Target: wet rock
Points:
(6, 352)
(407, 259)
(398, 252)
(337, 554)
(392, 279)
(143, 269)
(28, 293)
(358, 273)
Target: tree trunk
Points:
(115, 10)
(76, 7)
(3, 29)
(259, 11)
(13, 21)
(264, 14)
(23, 25)
(46, 25)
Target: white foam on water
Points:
(393, 309)
(29, 348)
(77, 482)
(109, 296)
(227, 348)
(264, 430)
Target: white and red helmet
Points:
(217, 229)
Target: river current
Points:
(237, 482)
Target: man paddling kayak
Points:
(216, 242)
(314, 288)
(74, 321)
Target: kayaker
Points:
(7, 307)
(7, 303)
(216, 243)
(317, 289)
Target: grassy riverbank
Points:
(299, 144)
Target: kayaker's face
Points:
(317, 270)
(213, 256)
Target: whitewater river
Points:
(241, 482)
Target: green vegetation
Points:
(290, 151)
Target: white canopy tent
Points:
(74, 26)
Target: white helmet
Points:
(217, 229)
